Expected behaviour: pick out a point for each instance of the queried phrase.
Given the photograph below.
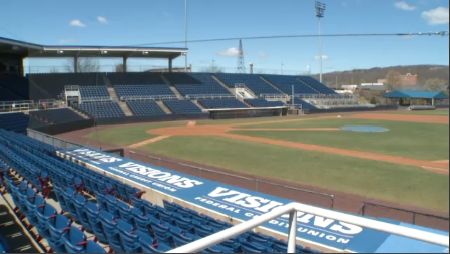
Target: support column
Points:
(170, 64)
(75, 64)
(124, 64)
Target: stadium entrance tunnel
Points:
(364, 128)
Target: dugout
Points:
(417, 97)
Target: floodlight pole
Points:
(320, 13)
(185, 35)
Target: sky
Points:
(138, 22)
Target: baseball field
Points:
(404, 162)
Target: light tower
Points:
(320, 13)
(241, 61)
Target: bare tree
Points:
(84, 65)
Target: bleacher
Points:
(147, 91)
(221, 103)
(264, 103)
(145, 108)
(17, 122)
(103, 109)
(134, 78)
(252, 81)
(55, 116)
(13, 88)
(182, 107)
(197, 85)
(304, 105)
(96, 214)
(94, 93)
(51, 85)
(316, 85)
(286, 83)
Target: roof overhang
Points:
(25, 49)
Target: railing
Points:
(95, 99)
(292, 210)
(26, 105)
(147, 97)
(208, 96)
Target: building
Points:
(408, 80)
(416, 97)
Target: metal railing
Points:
(292, 210)
(147, 97)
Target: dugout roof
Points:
(415, 94)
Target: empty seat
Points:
(74, 240)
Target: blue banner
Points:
(244, 204)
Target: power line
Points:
(441, 33)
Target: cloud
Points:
(229, 52)
(404, 6)
(437, 16)
(77, 23)
(102, 20)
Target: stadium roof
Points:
(26, 49)
(416, 94)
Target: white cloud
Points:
(77, 23)
(402, 5)
(102, 20)
(229, 52)
(437, 16)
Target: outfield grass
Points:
(414, 140)
(437, 112)
(128, 134)
(379, 180)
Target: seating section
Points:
(252, 81)
(51, 85)
(103, 109)
(134, 78)
(13, 88)
(114, 212)
(316, 85)
(264, 103)
(221, 103)
(94, 93)
(56, 116)
(145, 108)
(304, 105)
(125, 92)
(17, 122)
(182, 107)
(196, 85)
(286, 83)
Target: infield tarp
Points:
(244, 204)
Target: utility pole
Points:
(320, 13)
(185, 35)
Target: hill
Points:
(429, 76)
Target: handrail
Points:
(292, 209)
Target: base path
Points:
(149, 141)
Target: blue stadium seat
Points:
(94, 248)
(102, 109)
(74, 240)
(43, 214)
(57, 226)
(221, 103)
(145, 108)
(182, 107)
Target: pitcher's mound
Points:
(191, 123)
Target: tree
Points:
(393, 79)
(119, 68)
(435, 84)
(84, 65)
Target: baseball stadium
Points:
(177, 159)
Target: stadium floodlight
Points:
(320, 13)
(145, 53)
(104, 51)
(60, 51)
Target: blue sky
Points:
(113, 22)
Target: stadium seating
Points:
(125, 92)
(104, 109)
(195, 85)
(252, 81)
(115, 214)
(94, 93)
(304, 105)
(221, 103)
(55, 116)
(134, 78)
(13, 87)
(17, 122)
(316, 85)
(264, 103)
(286, 83)
(182, 107)
(145, 108)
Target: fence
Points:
(414, 217)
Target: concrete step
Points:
(163, 107)
(112, 93)
(198, 105)
(123, 105)
(172, 88)
(80, 113)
